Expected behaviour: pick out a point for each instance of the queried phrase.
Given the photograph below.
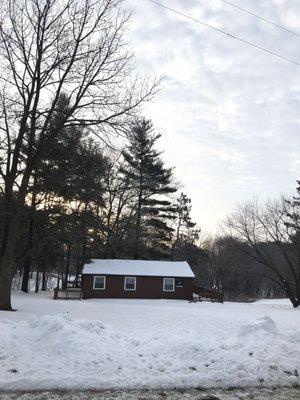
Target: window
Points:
(99, 282)
(169, 284)
(130, 283)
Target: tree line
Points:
(257, 254)
(68, 89)
(85, 201)
(64, 66)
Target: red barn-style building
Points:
(137, 279)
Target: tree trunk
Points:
(80, 265)
(6, 261)
(136, 253)
(37, 281)
(27, 263)
(57, 278)
(25, 275)
(137, 238)
(176, 240)
(5, 285)
(291, 294)
(12, 215)
(44, 281)
(297, 303)
(67, 269)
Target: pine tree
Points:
(70, 171)
(150, 181)
(293, 223)
(183, 222)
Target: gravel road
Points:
(251, 394)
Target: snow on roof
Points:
(180, 269)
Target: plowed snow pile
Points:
(60, 351)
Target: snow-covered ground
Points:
(104, 344)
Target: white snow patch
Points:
(146, 344)
(264, 325)
(179, 269)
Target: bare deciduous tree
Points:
(47, 48)
(273, 242)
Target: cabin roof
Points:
(180, 269)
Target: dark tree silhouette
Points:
(50, 47)
(150, 182)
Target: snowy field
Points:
(103, 344)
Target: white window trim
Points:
(131, 277)
(167, 290)
(99, 276)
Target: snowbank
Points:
(187, 347)
(262, 326)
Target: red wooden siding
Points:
(147, 287)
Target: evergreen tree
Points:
(293, 223)
(150, 182)
(67, 186)
(183, 223)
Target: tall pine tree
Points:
(293, 222)
(183, 223)
(150, 182)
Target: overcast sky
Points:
(229, 114)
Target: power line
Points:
(227, 34)
(268, 21)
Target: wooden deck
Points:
(67, 294)
(212, 295)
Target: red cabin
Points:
(137, 279)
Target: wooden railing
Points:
(69, 293)
(213, 295)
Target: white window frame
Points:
(168, 290)
(104, 284)
(130, 277)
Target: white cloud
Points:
(229, 114)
